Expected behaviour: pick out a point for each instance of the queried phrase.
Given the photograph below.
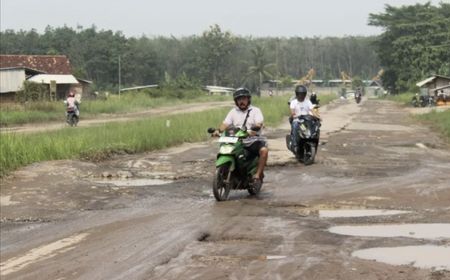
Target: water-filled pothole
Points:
(427, 256)
(428, 231)
(351, 213)
(134, 182)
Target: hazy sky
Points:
(187, 17)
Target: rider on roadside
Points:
(72, 104)
(314, 99)
(299, 106)
(253, 118)
(358, 93)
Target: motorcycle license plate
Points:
(228, 139)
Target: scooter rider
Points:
(314, 99)
(299, 106)
(253, 118)
(72, 104)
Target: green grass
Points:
(438, 121)
(327, 98)
(36, 112)
(402, 98)
(96, 143)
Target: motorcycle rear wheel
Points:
(221, 189)
(72, 120)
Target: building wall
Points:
(11, 80)
(438, 82)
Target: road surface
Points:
(153, 216)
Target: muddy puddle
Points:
(134, 182)
(353, 213)
(427, 231)
(426, 256)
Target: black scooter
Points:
(308, 139)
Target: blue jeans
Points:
(294, 133)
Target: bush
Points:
(33, 92)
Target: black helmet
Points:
(300, 90)
(242, 92)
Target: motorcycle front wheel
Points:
(221, 189)
(309, 154)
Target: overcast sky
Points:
(187, 17)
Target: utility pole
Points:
(119, 76)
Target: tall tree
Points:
(218, 46)
(260, 68)
(415, 43)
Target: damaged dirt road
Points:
(153, 216)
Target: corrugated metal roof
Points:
(426, 81)
(60, 79)
(139, 87)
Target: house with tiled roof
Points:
(50, 64)
(45, 69)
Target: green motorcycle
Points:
(235, 167)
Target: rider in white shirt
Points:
(255, 144)
(299, 106)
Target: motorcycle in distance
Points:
(235, 168)
(71, 115)
(308, 139)
(358, 97)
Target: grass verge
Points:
(438, 121)
(36, 112)
(99, 142)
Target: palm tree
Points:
(260, 67)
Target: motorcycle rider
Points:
(299, 106)
(314, 99)
(72, 104)
(358, 94)
(253, 118)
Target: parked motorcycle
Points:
(235, 167)
(414, 102)
(308, 139)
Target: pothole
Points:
(428, 231)
(134, 182)
(352, 213)
(203, 237)
(426, 256)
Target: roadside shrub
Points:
(33, 92)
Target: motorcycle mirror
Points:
(211, 130)
(256, 128)
(244, 128)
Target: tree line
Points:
(415, 43)
(215, 57)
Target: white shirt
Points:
(71, 102)
(301, 108)
(236, 117)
